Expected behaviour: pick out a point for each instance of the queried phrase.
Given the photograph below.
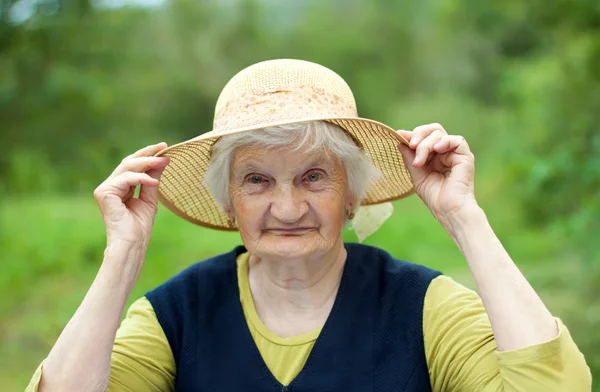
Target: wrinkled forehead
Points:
(253, 155)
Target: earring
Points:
(231, 221)
(349, 214)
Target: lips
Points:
(295, 231)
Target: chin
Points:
(293, 246)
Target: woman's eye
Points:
(255, 179)
(313, 177)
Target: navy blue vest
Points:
(371, 341)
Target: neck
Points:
(294, 296)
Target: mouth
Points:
(292, 232)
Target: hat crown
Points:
(282, 90)
(272, 93)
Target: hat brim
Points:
(183, 191)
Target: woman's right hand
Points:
(81, 357)
(126, 218)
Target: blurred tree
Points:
(83, 84)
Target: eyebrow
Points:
(250, 166)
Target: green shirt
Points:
(459, 346)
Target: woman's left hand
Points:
(442, 168)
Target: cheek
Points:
(249, 211)
(329, 205)
(335, 200)
(336, 188)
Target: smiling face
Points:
(288, 204)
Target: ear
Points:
(351, 203)
(230, 213)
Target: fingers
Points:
(140, 168)
(417, 174)
(149, 193)
(454, 143)
(423, 131)
(433, 138)
(149, 150)
(425, 147)
(407, 135)
(123, 182)
(140, 164)
(122, 186)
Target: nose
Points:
(288, 204)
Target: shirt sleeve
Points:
(141, 359)
(461, 351)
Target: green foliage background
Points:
(83, 85)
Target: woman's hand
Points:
(442, 169)
(126, 218)
(80, 360)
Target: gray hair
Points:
(360, 171)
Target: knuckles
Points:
(437, 127)
(438, 132)
(99, 192)
(429, 129)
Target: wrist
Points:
(123, 259)
(120, 241)
(465, 219)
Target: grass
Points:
(52, 247)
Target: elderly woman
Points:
(288, 164)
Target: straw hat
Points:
(272, 93)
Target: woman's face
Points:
(288, 203)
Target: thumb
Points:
(149, 194)
(407, 135)
(416, 173)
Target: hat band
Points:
(286, 103)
